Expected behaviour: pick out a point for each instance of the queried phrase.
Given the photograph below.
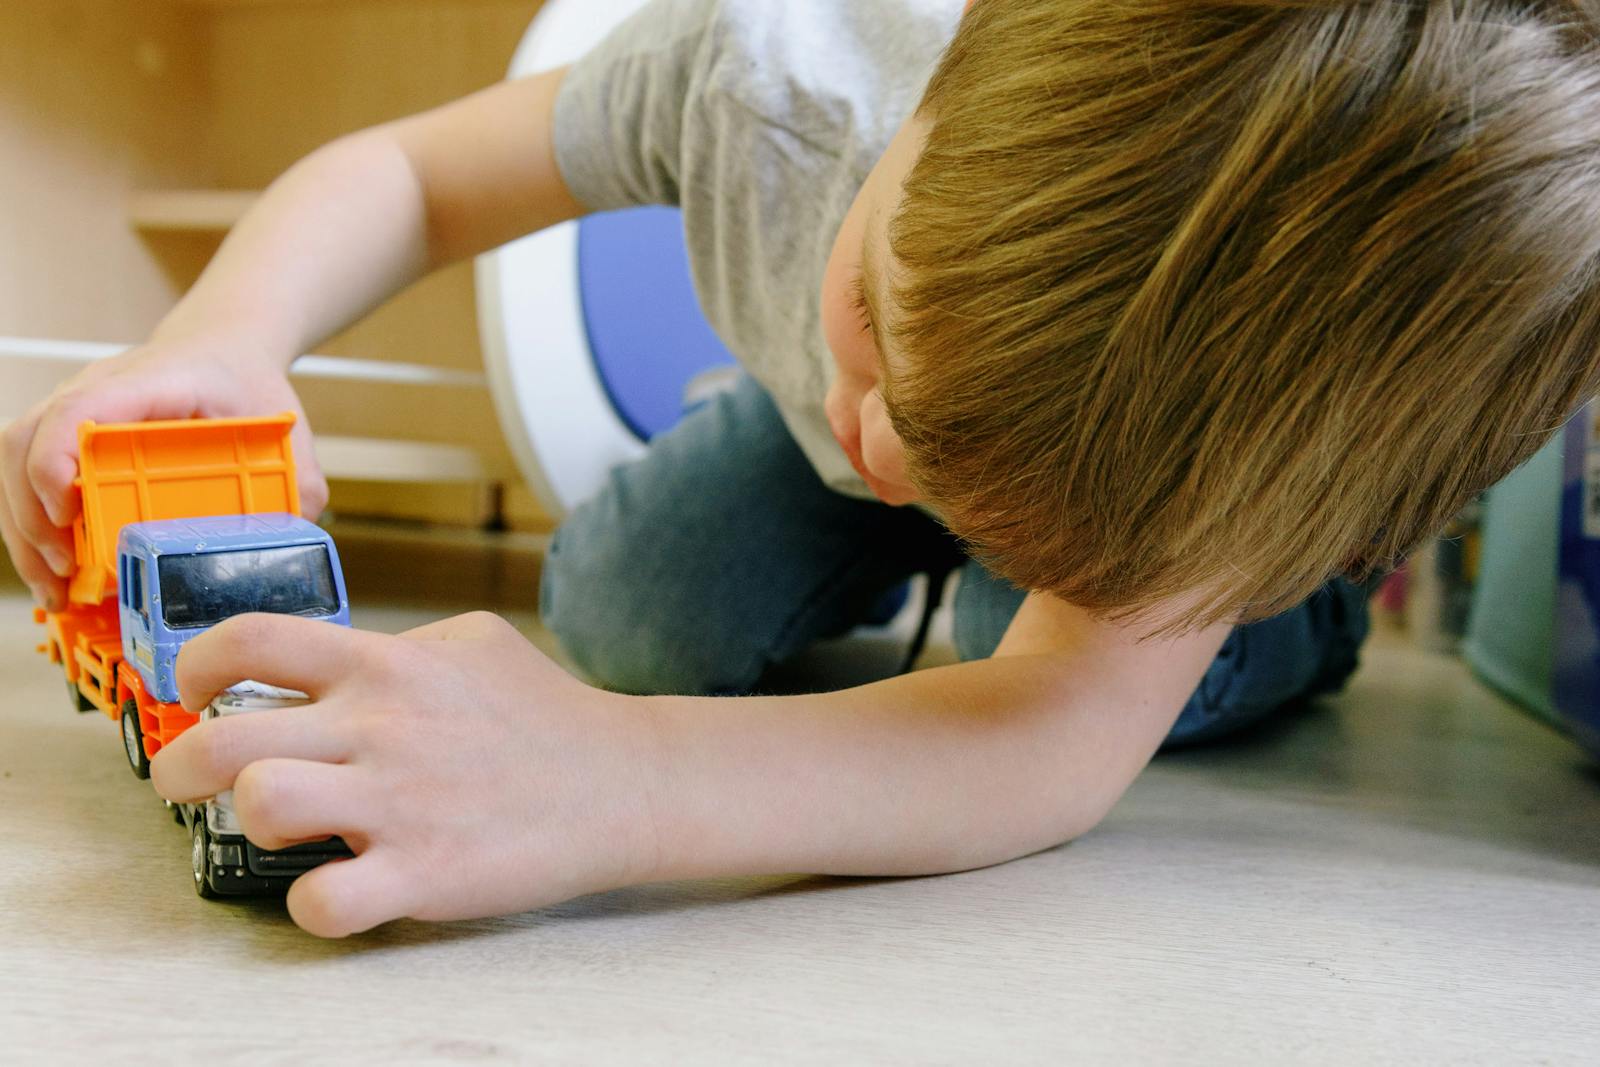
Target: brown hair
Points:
(1224, 298)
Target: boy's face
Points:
(855, 301)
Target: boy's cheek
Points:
(840, 411)
(883, 454)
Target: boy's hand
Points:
(470, 775)
(191, 377)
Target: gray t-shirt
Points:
(760, 119)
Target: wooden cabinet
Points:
(132, 134)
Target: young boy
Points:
(1173, 311)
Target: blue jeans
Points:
(721, 553)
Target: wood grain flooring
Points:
(1407, 873)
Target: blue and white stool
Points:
(592, 334)
(591, 330)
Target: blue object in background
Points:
(1511, 632)
(644, 323)
(1576, 673)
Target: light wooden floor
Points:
(1409, 873)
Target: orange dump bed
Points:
(179, 469)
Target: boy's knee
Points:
(627, 633)
(1306, 651)
(985, 606)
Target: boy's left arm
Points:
(472, 776)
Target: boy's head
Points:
(1220, 299)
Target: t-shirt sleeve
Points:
(620, 115)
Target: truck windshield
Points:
(204, 588)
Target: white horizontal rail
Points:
(74, 354)
(370, 459)
(30, 368)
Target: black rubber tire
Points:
(79, 701)
(200, 857)
(133, 740)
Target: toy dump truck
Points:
(186, 523)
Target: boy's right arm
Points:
(336, 235)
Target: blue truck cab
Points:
(176, 578)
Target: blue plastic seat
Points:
(646, 334)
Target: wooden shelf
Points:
(178, 114)
(188, 210)
(235, 5)
(362, 446)
(225, 4)
(372, 460)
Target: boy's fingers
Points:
(48, 590)
(283, 650)
(53, 546)
(31, 526)
(208, 758)
(282, 802)
(52, 461)
(350, 896)
(16, 445)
